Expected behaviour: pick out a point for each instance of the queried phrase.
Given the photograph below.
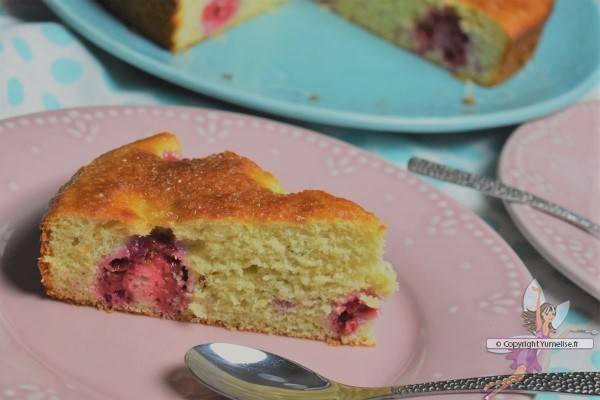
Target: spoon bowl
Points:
(246, 373)
(240, 372)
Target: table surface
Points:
(473, 151)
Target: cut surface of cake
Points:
(178, 24)
(485, 41)
(214, 240)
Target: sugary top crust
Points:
(518, 18)
(142, 181)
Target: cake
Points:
(485, 41)
(178, 24)
(214, 240)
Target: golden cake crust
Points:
(135, 183)
(523, 22)
(518, 18)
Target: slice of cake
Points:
(485, 41)
(177, 24)
(214, 240)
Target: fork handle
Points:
(582, 383)
(495, 188)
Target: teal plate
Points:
(304, 62)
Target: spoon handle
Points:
(495, 188)
(586, 383)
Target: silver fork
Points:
(495, 188)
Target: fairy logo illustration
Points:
(542, 320)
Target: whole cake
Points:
(177, 24)
(214, 240)
(485, 41)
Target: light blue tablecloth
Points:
(45, 66)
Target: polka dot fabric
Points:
(44, 67)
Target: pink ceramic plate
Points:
(460, 283)
(558, 158)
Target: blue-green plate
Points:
(304, 62)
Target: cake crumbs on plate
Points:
(469, 97)
(469, 100)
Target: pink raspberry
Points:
(348, 315)
(171, 156)
(217, 13)
(148, 270)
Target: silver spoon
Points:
(494, 188)
(240, 372)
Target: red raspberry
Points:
(217, 13)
